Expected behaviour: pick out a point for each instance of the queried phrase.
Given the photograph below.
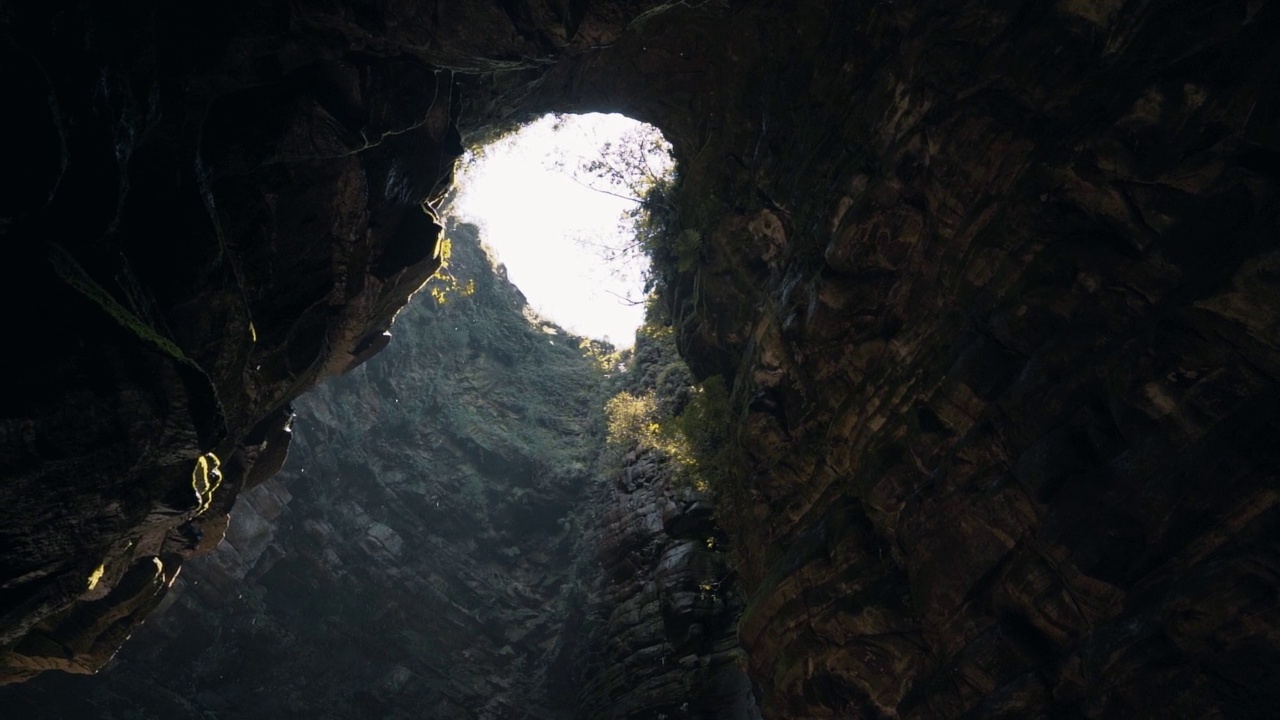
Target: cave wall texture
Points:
(438, 545)
(994, 285)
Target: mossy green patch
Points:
(205, 479)
(207, 407)
(77, 279)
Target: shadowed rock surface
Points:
(994, 287)
(443, 542)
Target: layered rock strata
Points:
(993, 286)
(409, 560)
(662, 629)
(996, 289)
(201, 230)
(440, 544)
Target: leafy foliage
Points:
(638, 167)
(666, 412)
(607, 359)
(632, 421)
(447, 285)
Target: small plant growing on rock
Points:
(448, 286)
(687, 424)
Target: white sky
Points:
(533, 217)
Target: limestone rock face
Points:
(668, 606)
(201, 231)
(993, 284)
(996, 290)
(441, 544)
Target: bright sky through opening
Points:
(535, 216)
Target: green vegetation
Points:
(487, 380)
(447, 285)
(205, 479)
(602, 354)
(638, 167)
(76, 278)
(647, 400)
(96, 576)
(135, 321)
(633, 421)
(664, 411)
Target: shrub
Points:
(696, 440)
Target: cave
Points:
(598, 186)
(991, 290)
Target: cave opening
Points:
(989, 289)
(569, 204)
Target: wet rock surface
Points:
(993, 286)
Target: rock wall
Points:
(665, 595)
(993, 286)
(202, 229)
(409, 559)
(212, 211)
(666, 640)
(441, 544)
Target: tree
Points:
(638, 167)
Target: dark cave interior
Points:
(992, 288)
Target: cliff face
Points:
(666, 637)
(444, 542)
(411, 556)
(994, 288)
(418, 560)
(201, 230)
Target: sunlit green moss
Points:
(444, 285)
(205, 479)
(96, 576)
(695, 440)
